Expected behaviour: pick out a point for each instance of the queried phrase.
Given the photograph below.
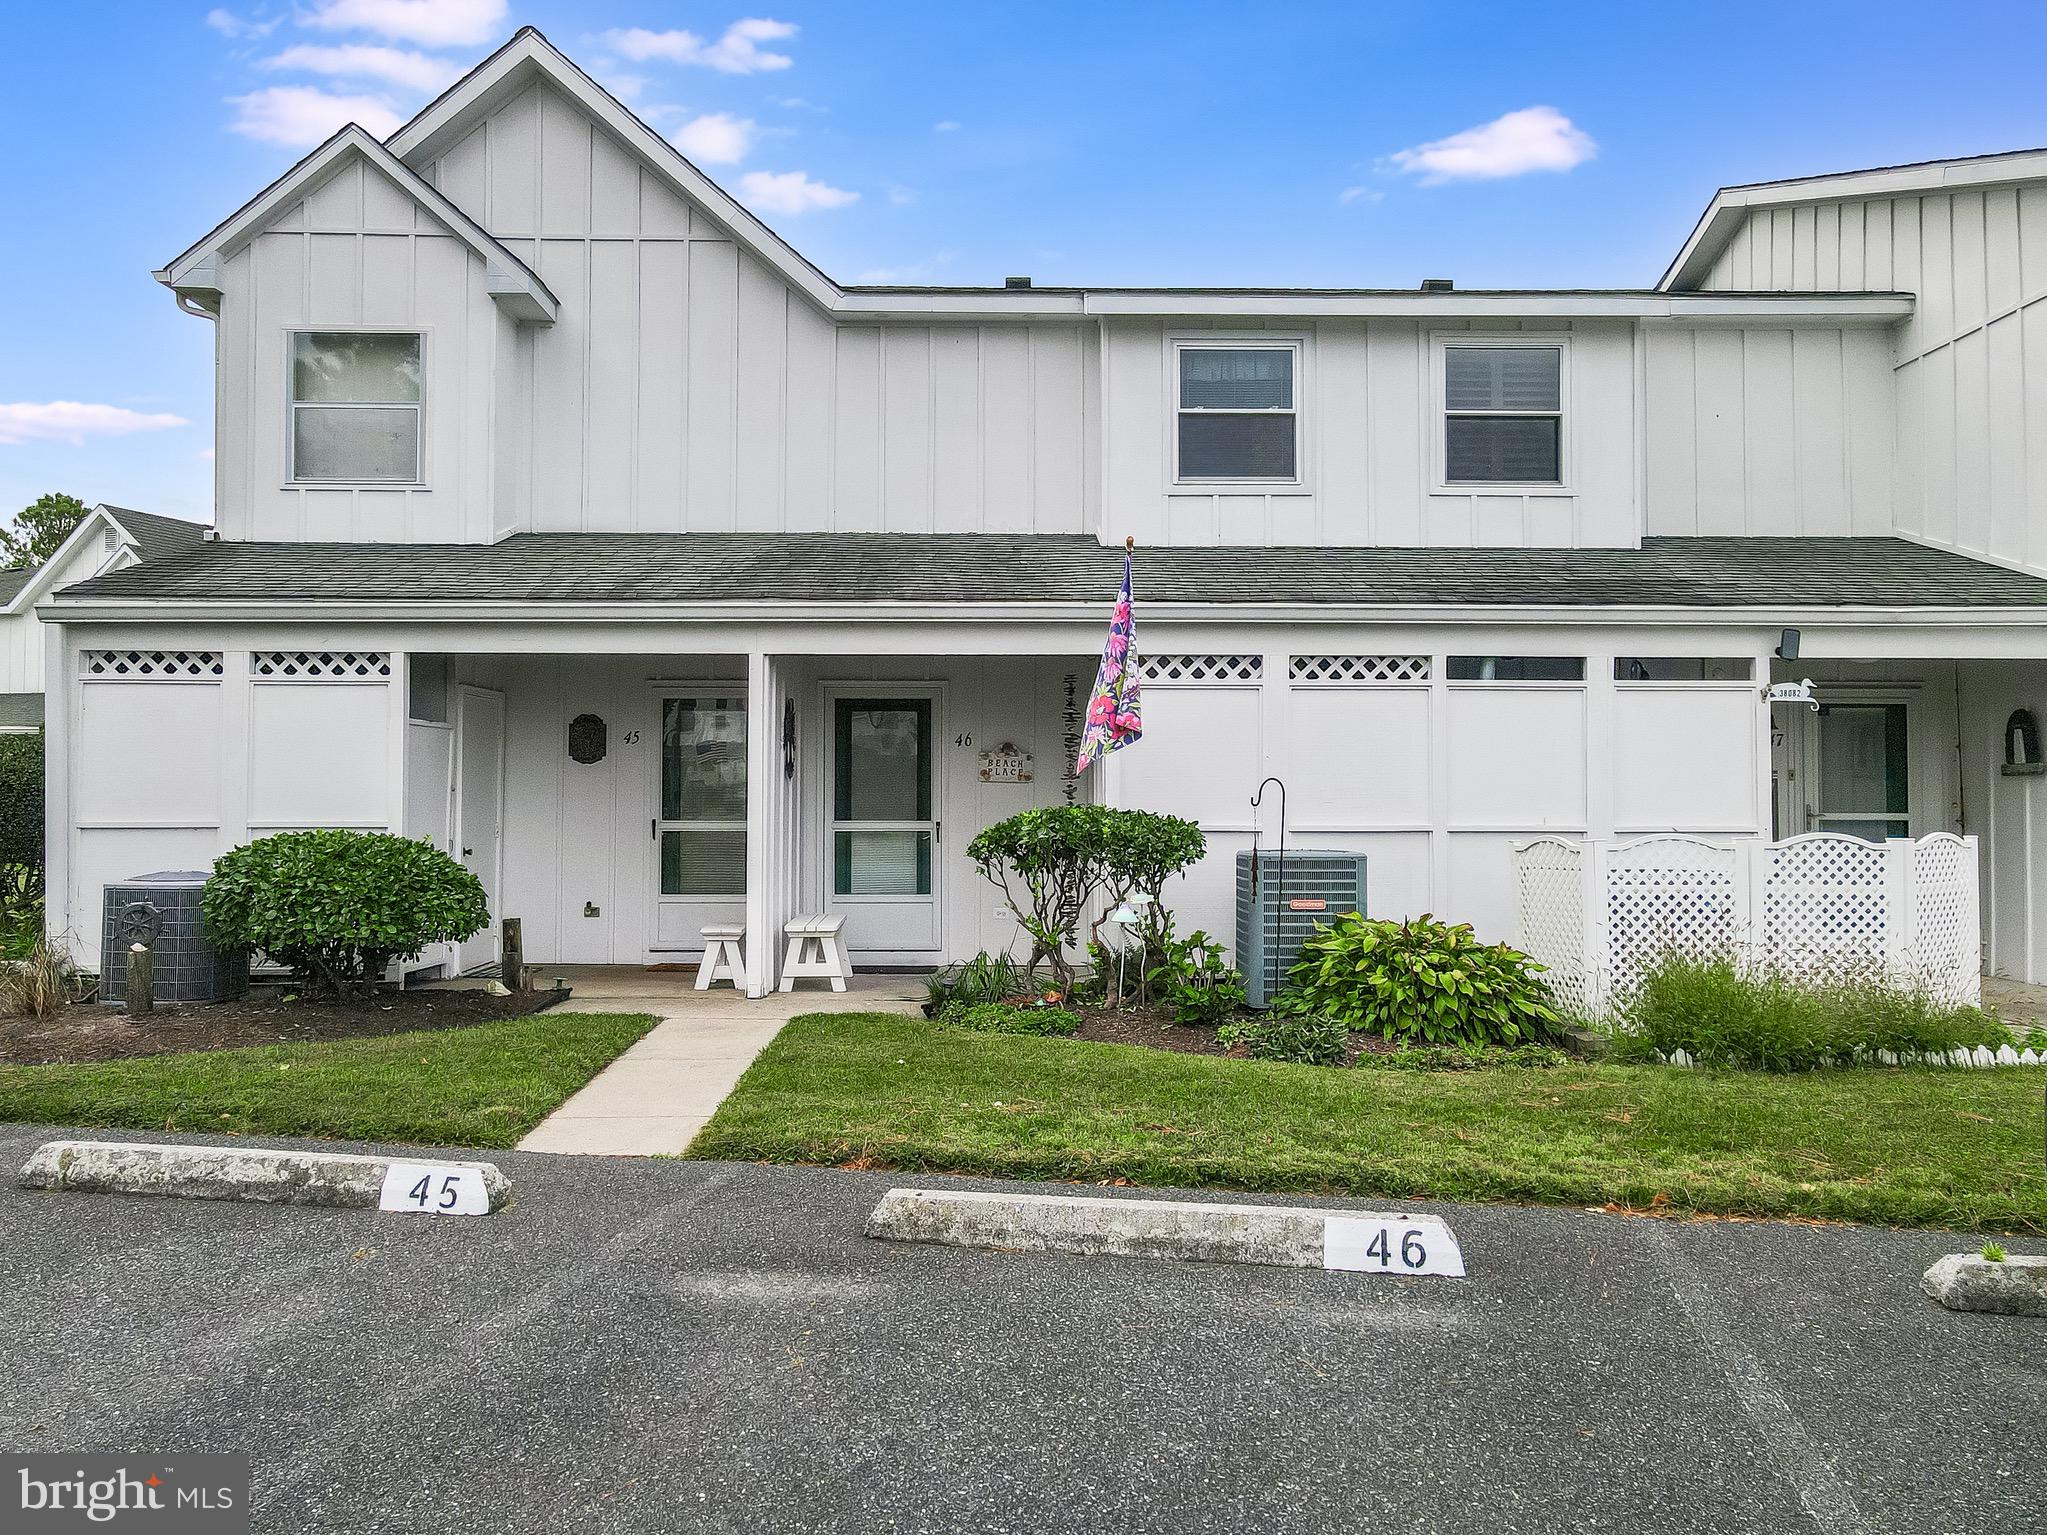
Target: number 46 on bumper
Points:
(1391, 1244)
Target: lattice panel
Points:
(149, 663)
(1359, 669)
(1823, 894)
(346, 665)
(1667, 895)
(1946, 945)
(1549, 884)
(1201, 668)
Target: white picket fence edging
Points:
(1597, 911)
(1981, 1055)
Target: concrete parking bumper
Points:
(235, 1172)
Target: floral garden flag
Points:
(1114, 718)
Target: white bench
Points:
(815, 949)
(724, 958)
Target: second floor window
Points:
(355, 407)
(1503, 415)
(1237, 413)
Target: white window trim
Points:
(1439, 414)
(699, 693)
(1238, 341)
(292, 481)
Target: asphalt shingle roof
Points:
(12, 580)
(1022, 568)
(156, 536)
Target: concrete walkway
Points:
(655, 1097)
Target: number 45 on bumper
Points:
(1391, 1244)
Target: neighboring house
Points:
(108, 538)
(570, 518)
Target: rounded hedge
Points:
(21, 812)
(339, 906)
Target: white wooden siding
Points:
(1368, 437)
(1768, 430)
(1971, 365)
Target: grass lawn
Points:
(482, 1086)
(1955, 1148)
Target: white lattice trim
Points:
(1358, 669)
(1201, 668)
(149, 663)
(346, 665)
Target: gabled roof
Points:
(878, 572)
(445, 120)
(513, 284)
(1730, 205)
(149, 536)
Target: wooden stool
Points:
(722, 948)
(815, 948)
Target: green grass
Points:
(1914, 1147)
(482, 1086)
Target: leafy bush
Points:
(21, 818)
(1196, 981)
(339, 906)
(1002, 1018)
(1141, 851)
(1421, 982)
(1050, 864)
(984, 978)
(1306, 1039)
(1724, 1011)
(1467, 1058)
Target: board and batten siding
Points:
(1971, 364)
(1367, 408)
(1768, 431)
(685, 387)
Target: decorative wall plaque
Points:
(1007, 763)
(586, 739)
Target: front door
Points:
(700, 820)
(882, 863)
(480, 808)
(1864, 778)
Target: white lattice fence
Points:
(1598, 913)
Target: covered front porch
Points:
(619, 804)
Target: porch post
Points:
(60, 688)
(763, 786)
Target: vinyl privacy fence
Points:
(1598, 913)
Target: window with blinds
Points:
(1503, 415)
(355, 407)
(1237, 412)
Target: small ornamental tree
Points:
(1143, 849)
(1048, 864)
(339, 906)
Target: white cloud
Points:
(366, 61)
(926, 271)
(1532, 139)
(901, 197)
(73, 421)
(948, 126)
(300, 116)
(737, 52)
(1351, 195)
(228, 24)
(790, 192)
(434, 23)
(798, 104)
(716, 138)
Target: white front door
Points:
(1864, 782)
(882, 861)
(700, 817)
(480, 808)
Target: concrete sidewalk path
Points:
(654, 1098)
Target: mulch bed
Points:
(89, 1031)
(1155, 1029)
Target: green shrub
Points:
(1200, 985)
(339, 906)
(1992, 1253)
(1723, 1011)
(21, 818)
(1467, 1058)
(1002, 1018)
(1421, 982)
(1302, 1038)
(984, 978)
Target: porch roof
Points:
(991, 568)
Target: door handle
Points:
(466, 852)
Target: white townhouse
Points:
(568, 517)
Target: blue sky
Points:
(1284, 144)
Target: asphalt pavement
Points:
(655, 1345)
